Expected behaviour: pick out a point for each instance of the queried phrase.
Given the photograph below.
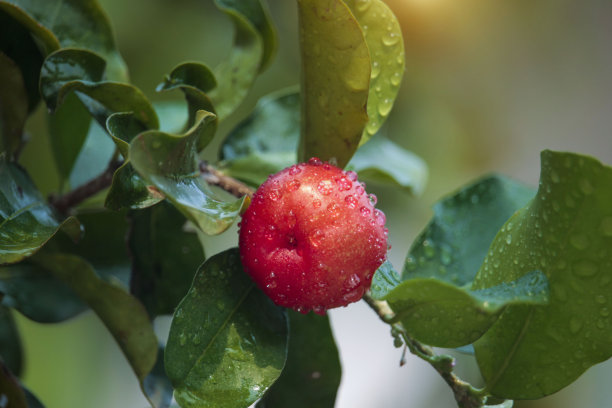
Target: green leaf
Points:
(69, 23)
(26, 221)
(165, 257)
(266, 142)
(335, 80)
(194, 80)
(31, 289)
(228, 341)
(31, 399)
(17, 44)
(384, 162)
(13, 105)
(123, 315)
(383, 35)
(10, 389)
(170, 163)
(433, 300)
(68, 128)
(312, 373)
(69, 70)
(565, 231)
(94, 157)
(129, 190)
(11, 352)
(254, 47)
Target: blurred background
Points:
(488, 86)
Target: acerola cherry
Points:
(311, 238)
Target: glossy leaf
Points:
(165, 257)
(228, 341)
(266, 142)
(312, 373)
(69, 23)
(254, 46)
(13, 105)
(94, 157)
(123, 315)
(11, 351)
(26, 221)
(31, 399)
(384, 162)
(566, 231)
(10, 389)
(129, 190)
(68, 128)
(194, 80)
(69, 70)
(17, 44)
(170, 163)
(433, 300)
(335, 80)
(383, 35)
(31, 289)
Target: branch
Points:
(229, 184)
(65, 203)
(465, 395)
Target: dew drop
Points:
(586, 187)
(375, 70)
(390, 39)
(351, 175)
(351, 201)
(293, 185)
(315, 161)
(606, 226)
(316, 203)
(585, 268)
(604, 311)
(601, 299)
(365, 211)
(363, 5)
(316, 237)
(575, 325)
(344, 184)
(554, 176)
(384, 107)
(579, 241)
(373, 198)
(295, 170)
(334, 210)
(396, 79)
(380, 217)
(325, 187)
(508, 239)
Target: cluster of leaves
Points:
(520, 275)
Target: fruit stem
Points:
(465, 394)
(229, 184)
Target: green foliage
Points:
(228, 341)
(522, 276)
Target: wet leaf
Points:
(11, 351)
(312, 373)
(383, 35)
(165, 257)
(123, 315)
(253, 49)
(384, 162)
(31, 288)
(565, 231)
(13, 105)
(228, 341)
(70, 70)
(69, 23)
(433, 300)
(26, 221)
(129, 190)
(170, 163)
(335, 80)
(194, 80)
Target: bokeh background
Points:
(488, 86)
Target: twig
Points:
(229, 184)
(465, 395)
(65, 203)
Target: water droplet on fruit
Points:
(320, 310)
(271, 285)
(315, 161)
(316, 203)
(360, 190)
(295, 170)
(325, 187)
(380, 217)
(344, 184)
(353, 281)
(316, 237)
(365, 211)
(269, 234)
(274, 195)
(373, 199)
(293, 185)
(351, 201)
(351, 175)
(334, 210)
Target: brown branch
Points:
(65, 203)
(229, 184)
(465, 395)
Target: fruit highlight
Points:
(312, 238)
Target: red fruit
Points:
(311, 238)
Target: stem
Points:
(229, 184)
(65, 203)
(465, 395)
